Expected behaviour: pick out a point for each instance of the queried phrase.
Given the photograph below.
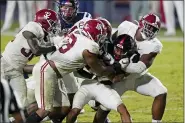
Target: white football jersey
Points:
(69, 56)
(17, 52)
(143, 47)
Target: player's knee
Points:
(33, 118)
(75, 112)
(121, 108)
(65, 110)
(102, 113)
(161, 97)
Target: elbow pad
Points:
(136, 67)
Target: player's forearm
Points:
(45, 50)
(138, 67)
(36, 48)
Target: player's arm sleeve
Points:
(33, 42)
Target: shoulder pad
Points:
(128, 28)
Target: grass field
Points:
(168, 67)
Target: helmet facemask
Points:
(124, 46)
(149, 26)
(54, 29)
(149, 31)
(119, 53)
(68, 10)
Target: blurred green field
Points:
(168, 67)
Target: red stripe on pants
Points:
(42, 84)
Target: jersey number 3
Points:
(72, 40)
(28, 54)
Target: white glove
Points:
(108, 59)
(61, 43)
(124, 63)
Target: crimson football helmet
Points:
(107, 26)
(124, 46)
(49, 21)
(150, 25)
(95, 30)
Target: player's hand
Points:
(62, 43)
(118, 78)
(108, 59)
(124, 63)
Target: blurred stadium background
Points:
(168, 66)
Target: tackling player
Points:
(100, 89)
(138, 79)
(69, 15)
(27, 43)
(82, 47)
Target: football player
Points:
(100, 89)
(82, 47)
(70, 82)
(32, 40)
(69, 15)
(138, 79)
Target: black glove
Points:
(117, 68)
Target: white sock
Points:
(156, 121)
(46, 118)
